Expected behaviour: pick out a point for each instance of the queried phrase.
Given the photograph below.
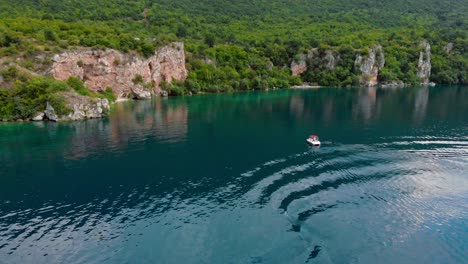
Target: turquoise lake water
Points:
(229, 179)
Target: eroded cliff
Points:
(128, 75)
(330, 63)
(80, 107)
(424, 63)
(299, 65)
(370, 66)
(304, 61)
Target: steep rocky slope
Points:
(128, 75)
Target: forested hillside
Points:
(248, 44)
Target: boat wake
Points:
(329, 187)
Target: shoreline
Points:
(306, 87)
(295, 87)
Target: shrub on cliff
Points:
(109, 94)
(81, 89)
(30, 96)
(6, 105)
(242, 40)
(49, 35)
(138, 79)
(78, 86)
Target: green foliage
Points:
(50, 35)
(210, 40)
(6, 104)
(81, 89)
(58, 103)
(109, 94)
(247, 44)
(8, 39)
(78, 86)
(138, 79)
(12, 73)
(146, 48)
(176, 90)
(28, 97)
(386, 75)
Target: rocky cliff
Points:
(299, 65)
(81, 107)
(367, 67)
(128, 75)
(330, 60)
(370, 67)
(303, 61)
(448, 48)
(424, 63)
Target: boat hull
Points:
(313, 142)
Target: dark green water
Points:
(230, 179)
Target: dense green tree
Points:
(244, 44)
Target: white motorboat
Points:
(313, 140)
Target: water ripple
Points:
(176, 183)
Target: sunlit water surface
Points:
(229, 179)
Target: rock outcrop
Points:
(299, 66)
(448, 48)
(304, 60)
(139, 92)
(121, 72)
(330, 60)
(393, 84)
(370, 67)
(39, 116)
(424, 63)
(49, 113)
(85, 107)
(82, 107)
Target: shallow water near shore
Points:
(229, 179)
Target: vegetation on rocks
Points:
(30, 95)
(79, 87)
(25, 95)
(244, 44)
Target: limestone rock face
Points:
(77, 113)
(299, 66)
(448, 48)
(39, 116)
(393, 84)
(109, 68)
(424, 63)
(330, 60)
(370, 67)
(84, 107)
(49, 113)
(139, 92)
(270, 65)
